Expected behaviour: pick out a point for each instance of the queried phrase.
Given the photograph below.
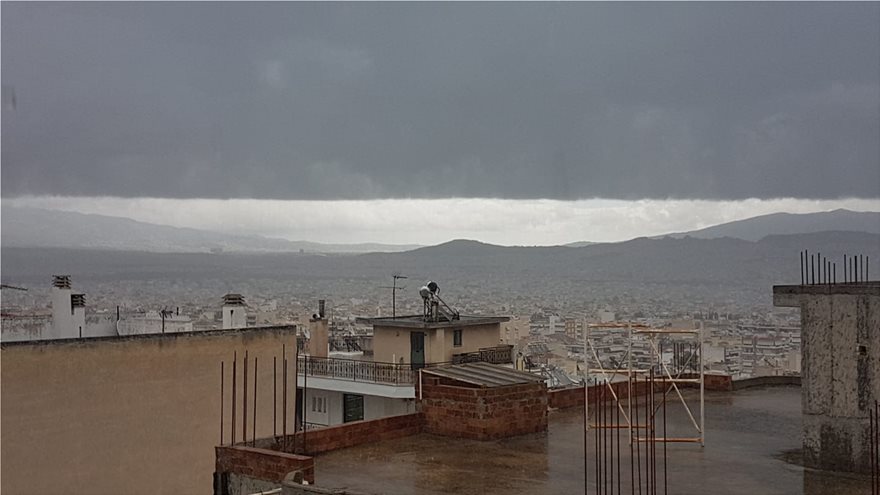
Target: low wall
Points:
(562, 398)
(246, 464)
(347, 435)
(767, 381)
(484, 413)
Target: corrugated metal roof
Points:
(483, 374)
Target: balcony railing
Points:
(392, 373)
(502, 354)
(357, 371)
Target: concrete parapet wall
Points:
(134, 414)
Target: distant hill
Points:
(34, 227)
(467, 267)
(756, 228)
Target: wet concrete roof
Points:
(750, 433)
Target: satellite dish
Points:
(425, 292)
(433, 287)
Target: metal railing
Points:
(357, 371)
(502, 354)
(392, 373)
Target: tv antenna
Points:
(394, 288)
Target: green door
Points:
(417, 350)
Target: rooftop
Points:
(483, 375)
(751, 437)
(418, 321)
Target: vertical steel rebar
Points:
(244, 398)
(632, 459)
(605, 437)
(802, 267)
(586, 421)
(638, 442)
(598, 452)
(254, 431)
(611, 431)
(664, 437)
(284, 399)
(617, 430)
(812, 269)
(221, 402)
(234, 383)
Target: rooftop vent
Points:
(78, 300)
(61, 281)
(233, 300)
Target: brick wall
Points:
(574, 396)
(349, 434)
(483, 413)
(263, 464)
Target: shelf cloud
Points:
(351, 101)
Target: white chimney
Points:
(234, 311)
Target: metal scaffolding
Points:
(687, 355)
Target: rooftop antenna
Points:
(165, 312)
(394, 288)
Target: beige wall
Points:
(390, 343)
(128, 415)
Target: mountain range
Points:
(33, 227)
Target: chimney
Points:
(62, 309)
(234, 311)
(319, 333)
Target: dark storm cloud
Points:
(318, 100)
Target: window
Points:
(456, 338)
(352, 408)
(319, 404)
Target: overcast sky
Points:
(425, 100)
(517, 123)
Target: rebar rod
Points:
(234, 383)
(638, 443)
(254, 431)
(244, 399)
(221, 402)
(664, 436)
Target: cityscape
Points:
(425, 248)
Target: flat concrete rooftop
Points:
(750, 434)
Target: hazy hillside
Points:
(33, 227)
(756, 228)
(714, 262)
